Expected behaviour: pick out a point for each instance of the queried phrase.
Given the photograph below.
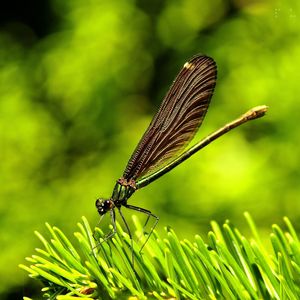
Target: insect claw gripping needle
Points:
(162, 146)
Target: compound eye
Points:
(99, 202)
(104, 206)
(107, 205)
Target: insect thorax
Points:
(122, 191)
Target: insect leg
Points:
(111, 233)
(149, 214)
(114, 230)
(129, 233)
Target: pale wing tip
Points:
(189, 65)
(199, 58)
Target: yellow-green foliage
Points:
(228, 266)
(75, 100)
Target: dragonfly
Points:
(163, 145)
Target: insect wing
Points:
(177, 120)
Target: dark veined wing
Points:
(177, 120)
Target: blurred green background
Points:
(79, 83)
